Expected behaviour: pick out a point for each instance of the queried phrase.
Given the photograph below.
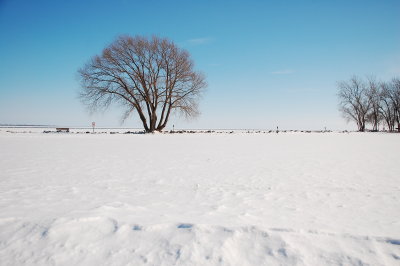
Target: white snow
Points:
(199, 199)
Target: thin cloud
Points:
(282, 72)
(199, 41)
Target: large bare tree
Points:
(354, 102)
(150, 76)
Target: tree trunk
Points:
(362, 127)
(375, 127)
(144, 122)
(159, 128)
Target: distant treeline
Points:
(368, 101)
(24, 125)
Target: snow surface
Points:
(199, 199)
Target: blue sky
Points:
(267, 63)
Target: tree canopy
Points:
(150, 76)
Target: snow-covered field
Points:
(199, 199)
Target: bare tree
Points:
(394, 96)
(353, 101)
(373, 93)
(150, 76)
(387, 108)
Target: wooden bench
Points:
(62, 129)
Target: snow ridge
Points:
(103, 241)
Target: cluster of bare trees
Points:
(370, 101)
(151, 77)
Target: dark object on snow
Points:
(62, 129)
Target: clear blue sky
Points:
(267, 63)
